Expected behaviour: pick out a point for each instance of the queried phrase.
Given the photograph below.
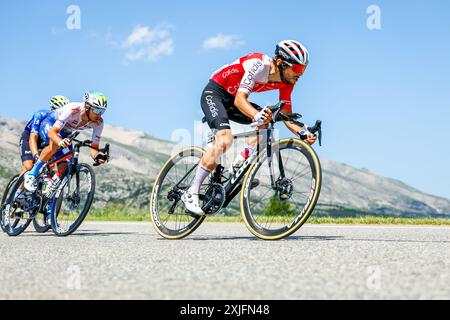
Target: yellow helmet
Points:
(57, 102)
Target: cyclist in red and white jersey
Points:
(225, 98)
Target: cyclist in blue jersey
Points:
(29, 141)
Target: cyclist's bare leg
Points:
(27, 165)
(253, 141)
(210, 160)
(223, 142)
(48, 152)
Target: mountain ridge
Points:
(136, 158)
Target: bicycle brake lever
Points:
(105, 151)
(320, 136)
(317, 128)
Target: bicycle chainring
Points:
(214, 199)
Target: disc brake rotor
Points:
(285, 188)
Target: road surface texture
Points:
(224, 261)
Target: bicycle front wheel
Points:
(276, 200)
(73, 199)
(168, 213)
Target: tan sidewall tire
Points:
(314, 199)
(153, 210)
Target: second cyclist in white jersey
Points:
(72, 117)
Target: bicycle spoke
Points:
(75, 200)
(181, 172)
(272, 212)
(299, 175)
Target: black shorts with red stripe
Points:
(218, 107)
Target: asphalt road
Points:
(224, 261)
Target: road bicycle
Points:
(73, 195)
(279, 185)
(39, 223)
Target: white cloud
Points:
(222, 41)
(147, 43)
(153, 52)
(144, 35)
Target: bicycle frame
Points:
(73, 156)
(233, 184)
(233, 187)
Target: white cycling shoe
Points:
(191, 201)
(30, 183)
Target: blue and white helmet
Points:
(96, 100)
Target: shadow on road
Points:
(397, 240)
(308, 238)
(84, 233)
(251, 238)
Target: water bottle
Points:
(53, 185)
(46, 183)
(240, 159)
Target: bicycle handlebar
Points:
(88, 144)
(278, 116)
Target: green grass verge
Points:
(144, 215)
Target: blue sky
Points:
(383, 95)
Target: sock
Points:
(200, 176)
(18, 192)
(37, 167)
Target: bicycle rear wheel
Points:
(39, 223)
(17, 212)
(73, 200)
(166, 208)
(6, 193)
(275, 211)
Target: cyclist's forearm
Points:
(94, 151)
(53, 135)
(33, 144)
(241, 102)
(295, 129)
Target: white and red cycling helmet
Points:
(292, 52)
